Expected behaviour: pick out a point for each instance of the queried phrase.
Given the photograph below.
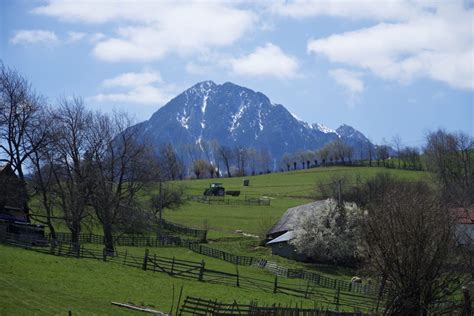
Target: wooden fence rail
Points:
(128, 240)
(278, 270)
(229, 201)
(200, 234)
(174, 267)
(207, 307)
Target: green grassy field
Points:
(43, 284)
(39, 284)
(284, 190)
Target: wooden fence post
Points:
(467, 308)
(145, 259)
(125, 257)
(307, 291)
(237, 274)
(172, 266)
(336, 298)
(201, 271)
(275, 287)
(104, 254)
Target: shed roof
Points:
(287, 221)
(283, 238)
(463, 216)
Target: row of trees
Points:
(209, 159)
(81, 162)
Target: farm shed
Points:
(279, 236)
(13, 198)
(464, 219)
(14, 217)
(287, 221)
(281, 247)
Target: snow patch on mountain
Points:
(324, 129)
(236, 117)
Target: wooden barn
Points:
(14, 216)
(464, 220)
(282, 247)
(280, 235)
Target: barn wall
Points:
(464, 233)
(284, 249)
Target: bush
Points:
(329, 233)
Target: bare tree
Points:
(410, 157)
(226, 155)
(286, 160)
(382, 153)
(448, 156)
(370, 152)
(172, 166)
(252, 156)
(21, 133)
(323, 154)
(72, 169)
(121, 165)
(397, 143)
(264, 159)
(241, 156)
(410, 244)
(168, 197)
(215, 153)
(200, 168)
(18, 110)
(42, 161)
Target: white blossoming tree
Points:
(329, 232)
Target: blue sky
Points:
(384, 67)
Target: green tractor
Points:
(217, 189)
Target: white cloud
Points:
(393, 10)
(33, 36)
(75, 36)
(152, 29)
(147, 95)
(430, 45)
(199, 69)
(96, 37)
(348, 79)
(133, 79)
(268, 60)
(137, 88)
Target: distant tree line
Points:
(209, 159)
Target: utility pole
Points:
(339, 184)
(160, 205)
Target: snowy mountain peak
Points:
(236, 116)
(323, 128)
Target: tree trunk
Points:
(108, 240)
(75, 232)
(228, 170)
(52, 230)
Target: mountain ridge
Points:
(235, 116)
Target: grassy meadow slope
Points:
(34, 283)
(285, 190)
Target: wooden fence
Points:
(278, 270)
(257, 201)
(205, 307)
(146, 241)
(128, 240)
(191, 270)
(200, 234)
